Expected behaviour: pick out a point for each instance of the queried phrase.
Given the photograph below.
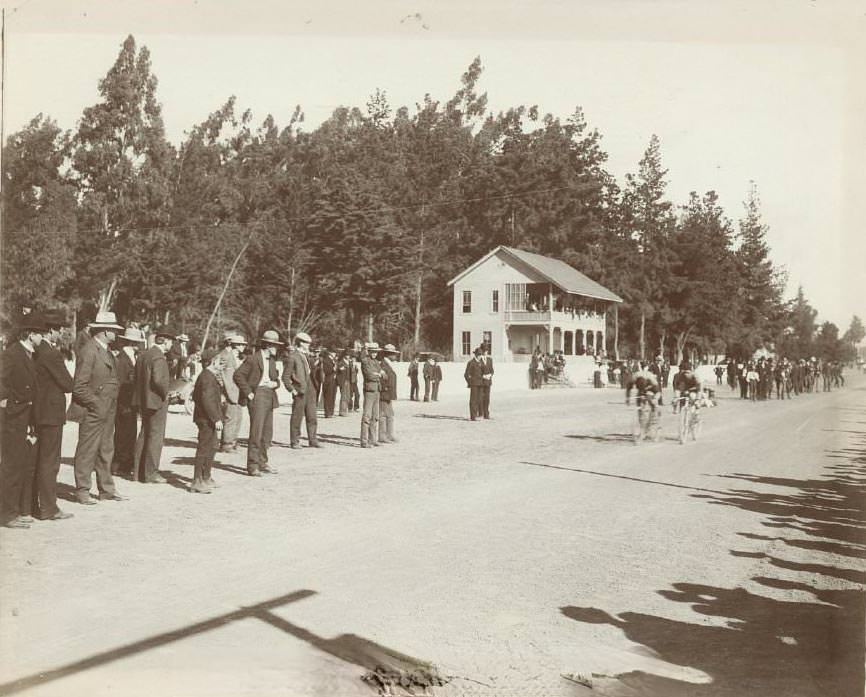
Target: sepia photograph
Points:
(391, 348)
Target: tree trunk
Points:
(642, 335)
(662, 338)
(370, 326)
(291, 304)
(616, 332)
(418, 290)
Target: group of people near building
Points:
(760, 379)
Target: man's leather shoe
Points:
(17, 523)
(295, 446)
(365, 445)
(256, 473)
(316, 445)
(26, 519)
(89, 501)
(267, 470)
(112, 497)
(61, 515)
(156, 479)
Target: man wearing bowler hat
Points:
(298, 380)
(94, 394)
(152, 383)
(54, 384)
(126, 420)
(257, 380)
(18, 393)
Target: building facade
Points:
(517, 301)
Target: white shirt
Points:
(266, 371)
(128, 350)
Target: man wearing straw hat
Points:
(232, 410)
(152, 383)
(258, 379)
(94, 391)
(18, 392)
(387, 395)
(54, 383)
(126, 421)
(298, 380)
(372, 372)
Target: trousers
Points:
(16, 465)
(233, 414)
(386, 422)
(47, 468)
(150, 443)
(125, 435)
(95, 449)
(474, 401)
(261, 428)
(370, 417)
(303, 409)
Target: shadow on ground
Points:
(808, 645)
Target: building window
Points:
(467, 301)
(495, 301)
(488, 341)
(466, 343)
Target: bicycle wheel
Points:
(683, 422)
(655, 427)
(639, 428)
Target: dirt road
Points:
(503, 553)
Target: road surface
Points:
(534, 554)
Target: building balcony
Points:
(547, 316)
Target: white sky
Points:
(770, 91)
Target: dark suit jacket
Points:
(249, 375)
(473, 373)
(370, 369)
(342, 372)
(297, 377)
(388, 384)
(206, 396)
(151, 379)
(19, 385)
(126, 377)
(487, 368)
(54, 382)
(329, 369)
(95, 381)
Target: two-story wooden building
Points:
(516, 301)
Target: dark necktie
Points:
(272, 369)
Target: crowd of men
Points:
(760, 379)
(124, 380)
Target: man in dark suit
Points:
(413, 378)
(18, 393)
(343, 383)
(126, 419)
(258, 379)
(355, 393)
(55, 383)
(487, 380)
(94, 394)
(297, 378)
(329, 382)
(208, 413)
(474, 381)
(151, 394)
(387, 395)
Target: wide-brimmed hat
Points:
(236, 340)
(389, 348)
(167, 331)
(271, 336)
(303, 337)
(133, 335)
(371, 345)
(33, 321)
(105, 320)
(182, 337)
(55, 318)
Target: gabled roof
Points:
(552, 270)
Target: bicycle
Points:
(689, 416)
(647, 421)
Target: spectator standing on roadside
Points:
(298, 380)
(354, 392)
(207, 416)
(258, 379)
(387, 395)
(413, 378)
(487, 380)
(152, 382)
(94, 394)
(372, 373)
(230, 360)
(50, 410)
(126, 419)
(18, 393)
(475, 382)
(343, 383)
(329, 382)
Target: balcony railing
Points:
(536, 316)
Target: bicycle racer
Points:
(686, 382)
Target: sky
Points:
(769, 91)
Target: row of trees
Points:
(357, 225)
